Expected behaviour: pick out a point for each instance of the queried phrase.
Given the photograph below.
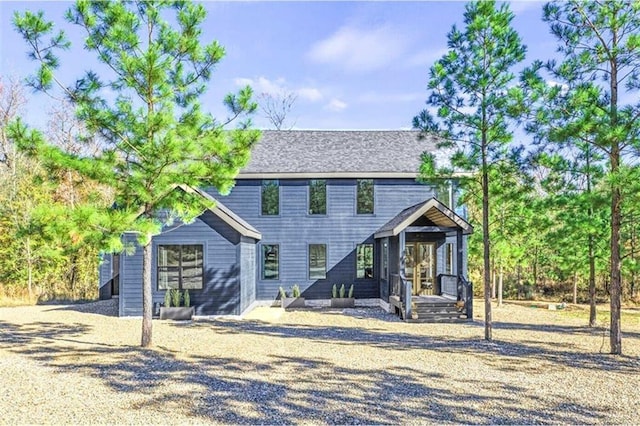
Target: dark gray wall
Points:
(221, 289)
(340, 229)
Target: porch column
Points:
(403, 278)
(459, 259)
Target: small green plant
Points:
(342, 291)
(295, 290)
(334, 291)
(283, 293)
(351, 291)
(175, 297)
(186, 299)
(167, 298)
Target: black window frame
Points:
(180, 267)
(364, 269)
(263, 263)
(311, 211)
(360, 194)
(309, 272)
(263, 191)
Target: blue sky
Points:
(353, 65)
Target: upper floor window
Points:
(270, 261)
(364, 261)
(270, 197)
(317, 196)
(317, 261)
(180, 266)
(365, 196)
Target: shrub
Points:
(295, 291)
(175, 297)
(351, 291)
(283, 294)
(186, 299)
(342, 291)
(167, 298)
(334, 291)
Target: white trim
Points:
(339, 175)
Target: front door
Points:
(420, 267)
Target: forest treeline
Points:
(45, 253)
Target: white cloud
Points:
(279, 87)
(309, 93)
(336, 105)
(383, 98)
(360, 50)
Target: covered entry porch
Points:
(424, 263)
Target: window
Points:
(270, 197)
(444, 192)
(270, 262)
(384, 270)
(317, 196)
(448, 255)
(317, 261)
(365, 196)
(180, 266)
(364, 261)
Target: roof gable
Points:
(227, 215)
(433, 210)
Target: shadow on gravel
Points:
(289, 390)
(107, 308)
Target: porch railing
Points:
(458, 287)
(402, 288)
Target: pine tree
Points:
(469, 87)
(155, 134)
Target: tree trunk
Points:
(500, 285)
(615, 285)
(29, 269)
(575, 288)
(494, 275)
(147, 295)
(616, 213)
(488, 323)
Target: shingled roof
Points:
(339, 153)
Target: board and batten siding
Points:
(341, 229)
(222, 246)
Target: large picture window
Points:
(317, 196)
(364, 261)
(317, 261)
(270, 197)
(180, 266)
(270, 262)
(365, 196)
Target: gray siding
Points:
(221, 288)
(247, 256)
(105, 275)
(340, 229)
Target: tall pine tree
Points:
(469, 90)
(155, 134)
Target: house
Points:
(314, 208)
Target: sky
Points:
(351, 65)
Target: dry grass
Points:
(67, 364)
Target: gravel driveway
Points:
(79, 364)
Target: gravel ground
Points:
(79, 364)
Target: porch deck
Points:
(430, 309)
